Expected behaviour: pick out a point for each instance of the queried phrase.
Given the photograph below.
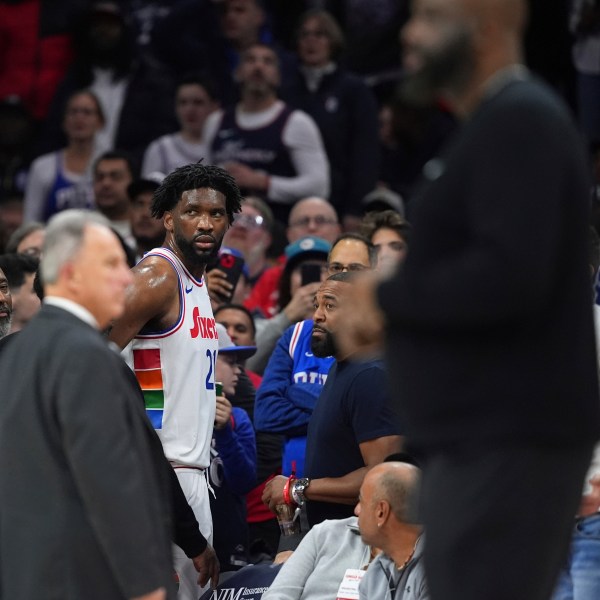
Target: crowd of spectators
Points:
(154, 71)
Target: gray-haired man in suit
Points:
(84, 509)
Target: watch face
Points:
(298, 490)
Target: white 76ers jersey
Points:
(176, 371)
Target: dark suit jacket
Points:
(491, 332)
(84, 497)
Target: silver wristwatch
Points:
(298, 488)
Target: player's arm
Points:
(152, 297)
(341, 490)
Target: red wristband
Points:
(286, 491)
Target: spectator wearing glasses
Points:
(27, 239)
(312, 216)
(251, 234)
(351, 252)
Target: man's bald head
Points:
(315, 201)
(511, 15)
(313, 216)
(396, 483)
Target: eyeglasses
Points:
(32, 251)
(319, 221)
(334, 268)
(248, 221)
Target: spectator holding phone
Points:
(229, 279)
(309, 216)
(252, 234)
(295, 295)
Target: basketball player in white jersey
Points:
(171, 339)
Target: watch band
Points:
(297, 489)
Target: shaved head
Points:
(509, 14)
(313, 216)
(395, 482)
(314, 201)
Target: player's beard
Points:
(323, 346)
(193, 256)
(448, 68)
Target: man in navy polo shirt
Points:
(353, 426)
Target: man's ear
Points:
(382, 512)
(70, 276)
(168, 221)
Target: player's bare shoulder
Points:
(152, 300)
(155, 283)
(155, 276)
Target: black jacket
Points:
(491, 335)
(84, 492)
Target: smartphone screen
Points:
(310, 272)
(232, 266)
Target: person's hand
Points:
(281, 557)
(207, 565)
(302, 304)
(273, 493)
(590, 502)
(219, 289)
(159, 594)
(364, 322)
(222, 413)
(247, 177)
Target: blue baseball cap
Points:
(309, 246)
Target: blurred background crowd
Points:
(81, 78)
